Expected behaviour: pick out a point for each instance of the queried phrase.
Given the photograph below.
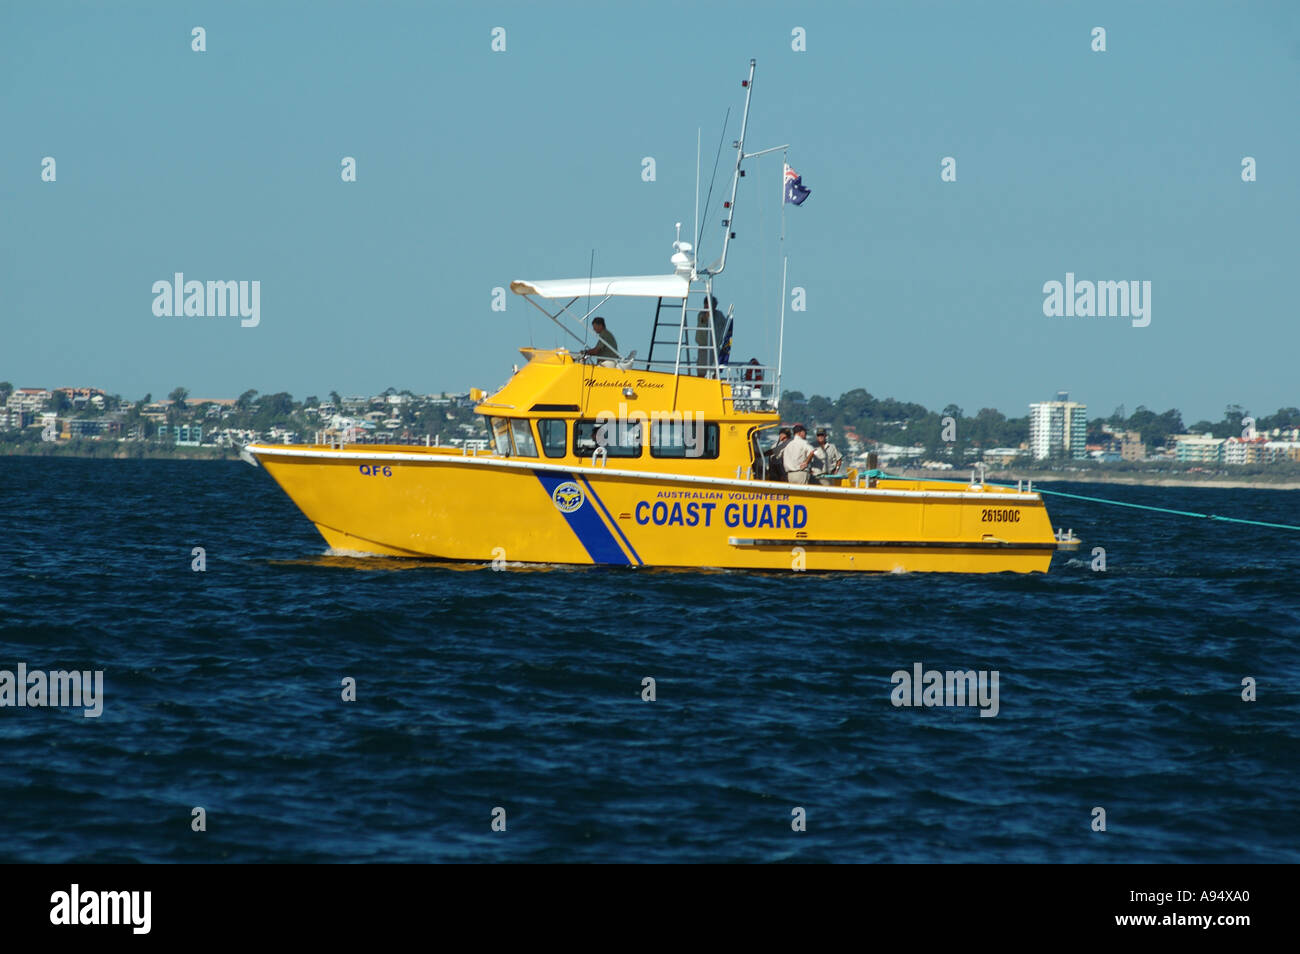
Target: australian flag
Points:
(795, 192)
(724, 346)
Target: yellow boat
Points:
(608, 459)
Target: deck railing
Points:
(753, 386)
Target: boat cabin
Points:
(684, 407)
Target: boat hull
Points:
(428, 502)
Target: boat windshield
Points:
(525, 446)
(501, 435)
(553, 436)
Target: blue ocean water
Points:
(522, 690)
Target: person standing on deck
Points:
(826, 456)
(796, 457)
(704, 353)
(775, 470)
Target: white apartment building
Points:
(1198, 449)
(1244, 450)
(29, 399)
(1058, 427)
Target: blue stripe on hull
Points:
(586, 524)
(612, 522)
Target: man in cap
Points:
(797, 456)
(826, 457)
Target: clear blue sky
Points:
(477, 167)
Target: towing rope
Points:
(880, 474)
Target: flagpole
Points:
(785, 164)
(780, 347)
(780, 341)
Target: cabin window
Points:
(525, 446)
(619, 438)
(500, 435)
(689, 439)
(553, 434)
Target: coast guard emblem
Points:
(568, 497)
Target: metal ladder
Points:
(666, 343)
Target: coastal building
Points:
(14, 418)
(1001, 456)
(1131, 446)
(1279, 451)
(82, 397)
(184, 435)
(29, 399)
(1244, 450)
(1198, 449)
(1058, 428)
(96, 428)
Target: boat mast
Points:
(717, 267)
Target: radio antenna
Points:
(591, 271)
(725, 120)
(697, 192)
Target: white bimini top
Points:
(629, 286)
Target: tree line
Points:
(905, 423)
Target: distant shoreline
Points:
(1132, 479)
(198, 453)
